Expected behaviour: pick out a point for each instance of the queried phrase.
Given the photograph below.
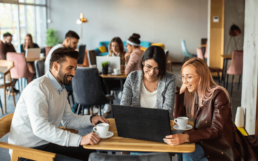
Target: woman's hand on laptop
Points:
(96, 119)
(90, 138)
(176, 139)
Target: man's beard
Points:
(62, 78)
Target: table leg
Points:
(121, 83)
(179, 157)
(226, 64)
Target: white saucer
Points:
(116, 74)
(188, 127)
(109, 134)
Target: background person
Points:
(134, 54)
(215, 134)
(28, 43)
(5, 47)
(151, 86)
(70, 42)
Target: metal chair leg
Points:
(218, 77)
(239, 81)
(232, 85)
(227, 82)
(78, 109)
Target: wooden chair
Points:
(20, 151)
(5, 67)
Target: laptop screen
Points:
(142, 123)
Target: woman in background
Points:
(134, 54)
(116, 47)
(28, 43)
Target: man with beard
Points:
(43, 106)
(70, 42)
(6, 45)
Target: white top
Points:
(148, 99)
(41, 108)
(47, 61)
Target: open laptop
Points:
(114, 62)
(32, 53)
(142, 123)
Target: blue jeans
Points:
(197, 155)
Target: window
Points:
(20, 17)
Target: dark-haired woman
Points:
(117, 49)
(134, 52)
(152, 86)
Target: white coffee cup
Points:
(181, 122)
(116, 71)
(101, 129)
(41, 55)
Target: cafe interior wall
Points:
(249, 81)
(164, 21)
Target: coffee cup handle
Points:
(94, 129)
(175, 120)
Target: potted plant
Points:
(52, 39)
(105, 66)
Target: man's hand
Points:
(96, 119)
(90, 138)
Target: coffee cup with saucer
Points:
(102, 131)
(116, 71)
(182, 123)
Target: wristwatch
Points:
(92, 117)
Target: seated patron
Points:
(28, 43)
(151, 86)
(5, 47)
(70, 42)
(134, 54)
(215, 134)
(116, 49)
(43, 106)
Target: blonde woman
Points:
(215, 134)
(28, 43)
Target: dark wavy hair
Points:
(59, 55)
(158, 55)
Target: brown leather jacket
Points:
(214, 129)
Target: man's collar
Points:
(54, 82)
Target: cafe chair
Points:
(212, 69)
(4, 83)
(235, 68)
(20, 69)
(39, 67)
(142, 157)
(82, 49)
(69, 90)
(92, 57)
(186, 54)
(20, 151)
(87, 90)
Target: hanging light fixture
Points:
(80, 22)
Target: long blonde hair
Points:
(31, 45)
(206, 86)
